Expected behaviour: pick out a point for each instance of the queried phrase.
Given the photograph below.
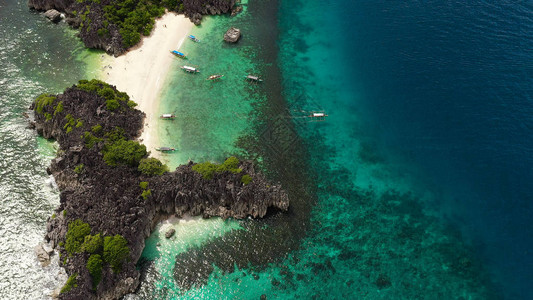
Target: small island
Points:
(116, 26)
(112, 194)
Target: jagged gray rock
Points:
(44, 5)
(42, 255)
(232, 35)
(170, 233)
(53, 15)
(236, 10)
(47, 248)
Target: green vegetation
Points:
(71, 122)
(146, 193)
(71, 283)
(116, 134)
(92, 243)
(53, 216)
(96, 128)
(131, 103)
(77, 231)
(65, 213)
(47, 116)
(115, 251)
(58, 108)
(152, 166)
(91, 86)
(231, 164)
(79, 169)
(102, 32)
(113, 97)
(246, 179)
(112, 105)
(42, 101)
(94, 266)
(208, 169)
(124, 152)
(133, 18)
(90, 139)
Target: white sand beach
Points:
(142, 71)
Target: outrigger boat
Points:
(165, 149)
(167, 116)
(254, 78)
(190, 69)
(193, 38)
(215, 77)
(318, 116)
(178, 54)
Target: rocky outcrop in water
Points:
(232, 35)
(87, 120)
(53, 15)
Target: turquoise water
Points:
(415, 186)
(372, 232)
(211, 114)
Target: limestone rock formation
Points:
(170, 233)
(236, 10)
(43, 5)
(232, 35)
(42, 255)
(97, 31)
(86, 121)
(53, 15)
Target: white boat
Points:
(190, 69)
(167, 116)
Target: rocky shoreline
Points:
(101, 29)
(116, 197)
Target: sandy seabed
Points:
(142, 71)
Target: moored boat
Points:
(193, 38)
(215, 77)
(190, 69)
(165, 149)
(254, 78)
(167, 116)
(179, 54)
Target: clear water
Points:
(416, 186)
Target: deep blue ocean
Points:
(442, 92)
